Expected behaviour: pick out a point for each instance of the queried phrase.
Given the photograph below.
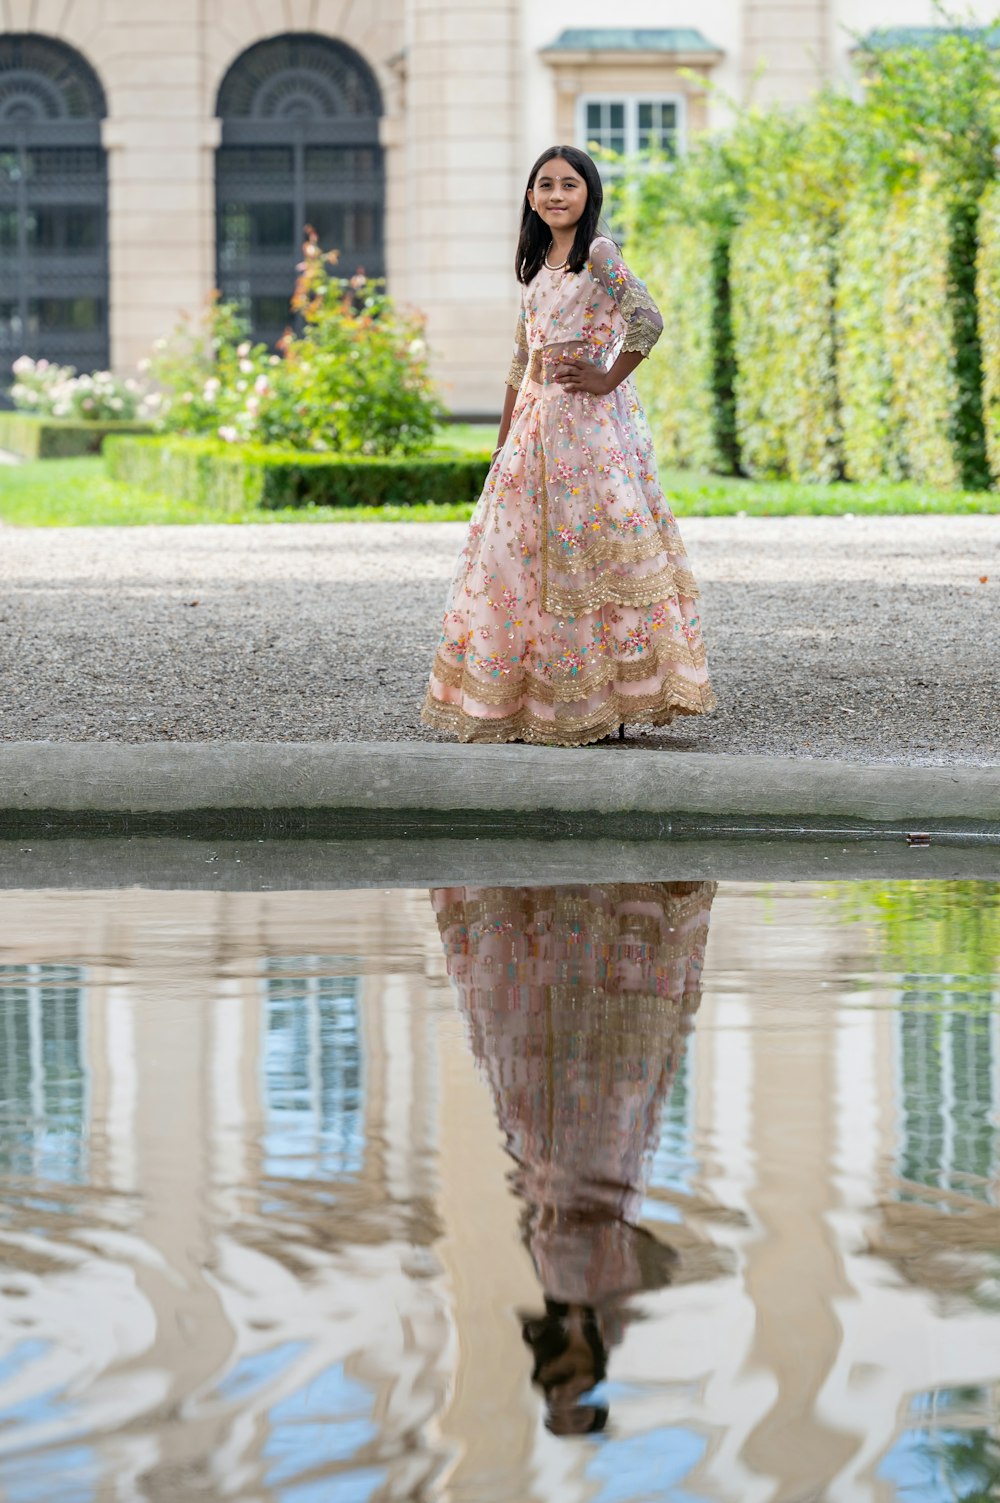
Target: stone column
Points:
(463, 185)
(791, 39)
(160, 141)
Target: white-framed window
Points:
(632, 125)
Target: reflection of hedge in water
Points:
(936, 928)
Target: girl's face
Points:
(558, 195)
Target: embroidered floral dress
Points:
(573, 609)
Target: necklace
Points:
(549, 267)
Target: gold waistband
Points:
(542, 362)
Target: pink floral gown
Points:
(573, 609)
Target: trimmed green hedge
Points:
(988, 295)
(920, 333)
(232, 478)
(870, 421)
(782, 277)
(57, 438)
(687, 385)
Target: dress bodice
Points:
(603, 309)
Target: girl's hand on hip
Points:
(582, 377)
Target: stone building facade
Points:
(149, 153)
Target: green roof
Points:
(629, 39)
(885, 38)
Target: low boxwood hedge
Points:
(232, 478)
(57, 438)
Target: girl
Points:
(572, 610)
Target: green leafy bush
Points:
(356, 380)
(853, 227)
(56, 391)
(988, 299)
(783, 332)
(870, 421)
(920, 333)
(233, 477)
(679, 384)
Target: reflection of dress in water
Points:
(578, 1001)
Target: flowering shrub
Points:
(354, 380)
(57, 391)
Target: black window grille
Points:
(53, 207)
(300, 145)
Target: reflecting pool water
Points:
(516, 1195)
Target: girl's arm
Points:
(508, 412)
(515, 376)
(644, 323)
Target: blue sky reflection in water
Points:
(603, 1194)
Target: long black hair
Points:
(536, 237)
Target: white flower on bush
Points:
(22, 365)
(57, 391)
(262, 386)
(244, 349)
(187, 398)
(143, 366)
(246, 366)
(274, 359)
(229, 434)
(241, 386)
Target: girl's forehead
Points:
(557, 167)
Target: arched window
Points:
(300, 146)
(53, 206)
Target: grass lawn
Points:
(78, 493)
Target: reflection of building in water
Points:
(948, 1057)
(259, 1188)
(43, 1075)
(277, 1248)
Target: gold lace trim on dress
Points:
(519, 364)
(615, 589)
(644, 322)
(523, 684)
(588, 555)
(675, 697)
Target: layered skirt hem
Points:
(675, 697)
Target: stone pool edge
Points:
(356, 788)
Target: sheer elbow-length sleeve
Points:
(636, 306)
(519, 364)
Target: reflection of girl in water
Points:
(578, 1001)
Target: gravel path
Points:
(866, 639)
